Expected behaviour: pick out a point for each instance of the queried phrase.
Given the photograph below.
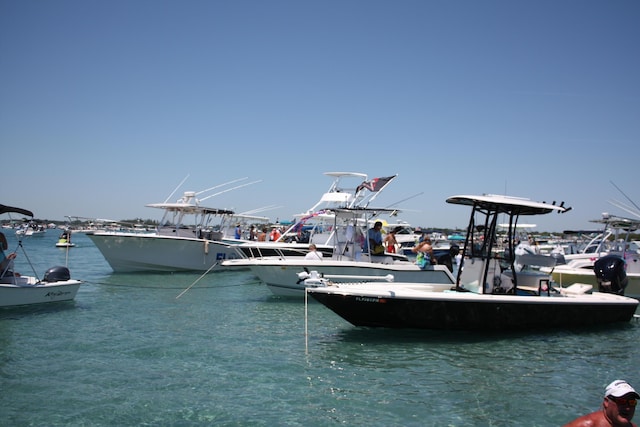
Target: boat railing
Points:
(258, 251)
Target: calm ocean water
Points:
(126, 352)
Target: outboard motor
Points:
(560, 259)
(445, 259)
(611, 275)
(454, 250)
(57, 274)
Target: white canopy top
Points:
(507, 204)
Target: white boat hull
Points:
(133, 252)
(281, 276)
(26, 294)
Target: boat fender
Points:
(206, 247)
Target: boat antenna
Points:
(262, 209)
(625, 207)
(222, 185)
(627, 197)
(229, 189)
(176, 189)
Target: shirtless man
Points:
(618, 408)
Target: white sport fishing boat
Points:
(188, 238)
(315, 225)
(284, 275)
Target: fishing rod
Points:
(618, 188)
(404, 200)
(230, 189)
(221, 185)
(176, 189)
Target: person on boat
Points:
(6, 261)
(424, 253)
(65, 237)
(390, 241)
(313, 253)
(262, 236)
(618, 408)
(253, 235)
(238, 232)
(374, 239)
(275, 234)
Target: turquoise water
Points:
(227, 352)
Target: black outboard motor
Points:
(560, 259)
(611, 274)
(57, 274)
(454, 250)
(446, 258)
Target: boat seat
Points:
(6, 276)
(543, 287)
(536, 260)
(577, 289)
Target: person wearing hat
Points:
(618, 408)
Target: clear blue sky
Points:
(106, 106)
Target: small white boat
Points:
(56, 285)
(18, 289)
(31, 229)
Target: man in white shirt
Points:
(313, 253)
